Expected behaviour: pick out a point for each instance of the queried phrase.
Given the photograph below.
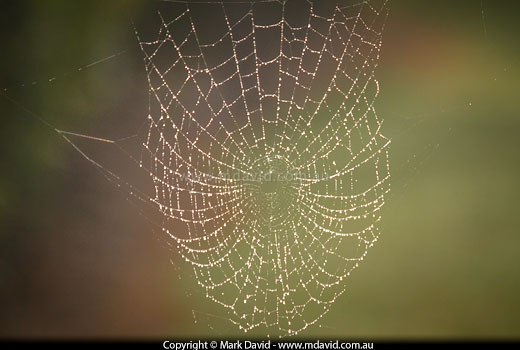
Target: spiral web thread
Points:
(265, 150)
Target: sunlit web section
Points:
(269, 166)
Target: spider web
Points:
(265, 150)
(268, 164)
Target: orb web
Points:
(266, 152)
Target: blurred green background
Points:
(77, 261)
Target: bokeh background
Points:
(76, 259)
